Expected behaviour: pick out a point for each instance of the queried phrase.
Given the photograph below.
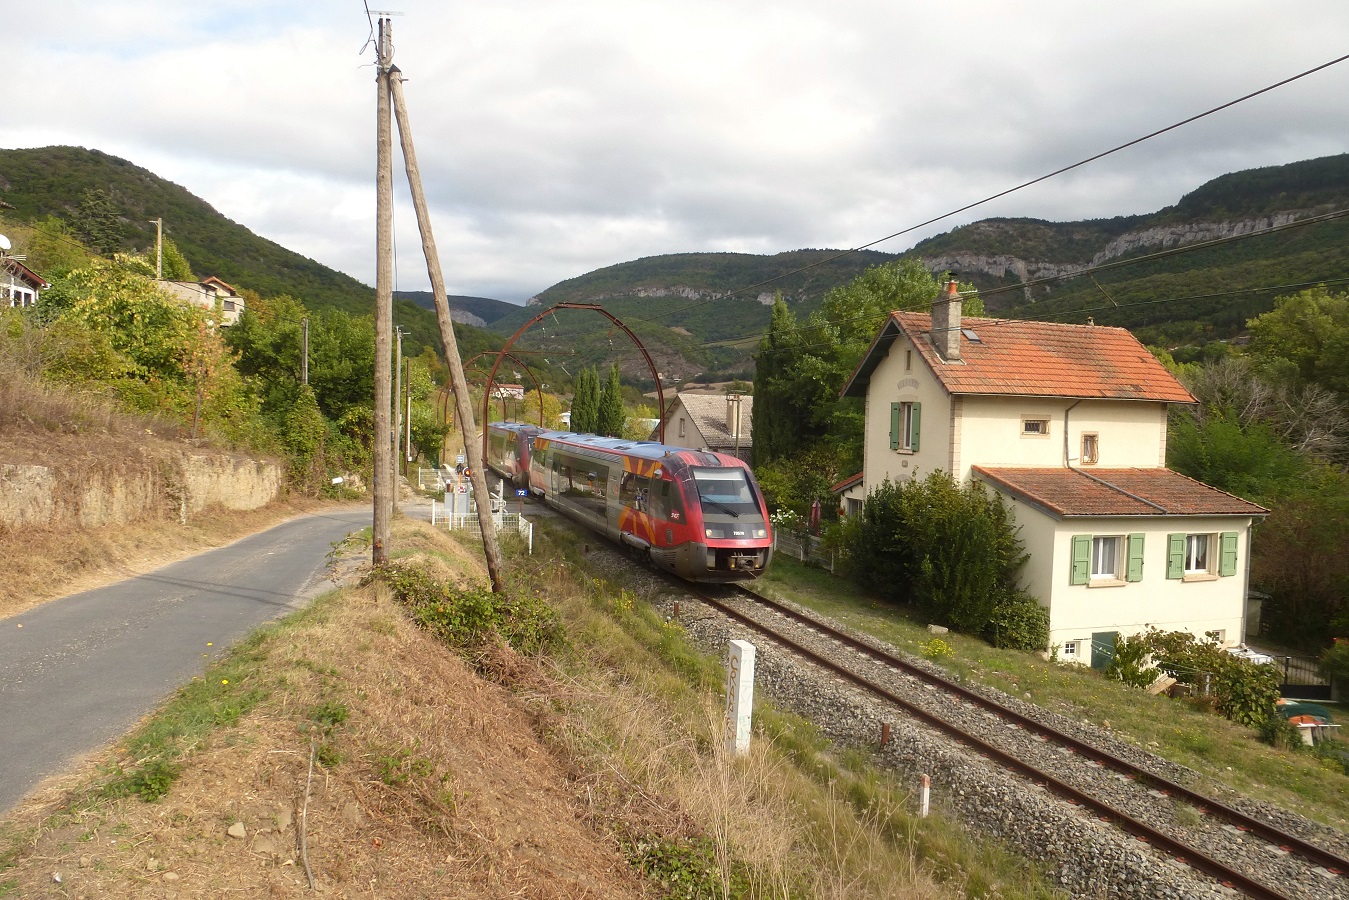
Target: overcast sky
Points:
(558, 137)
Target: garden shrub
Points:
(1018, 622)
(950, 548)
(1241, 690)
(468, 617)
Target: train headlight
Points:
(761, 532)
(714, 532)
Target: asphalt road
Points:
(78, 672)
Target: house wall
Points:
(893, 382)
(1131, 433)
(1196, 605)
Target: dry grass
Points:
(435, 787)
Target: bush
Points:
(468, 617)
(1240, 690)
(1018, 622)
(950, 548)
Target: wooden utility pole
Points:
(159, 248)
(472, 443)
(383, 488)
(397, 403)
(304, 351)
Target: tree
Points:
(1308, 335)
(802, 367)
(951, 549)
(176, 267)
(609, 421)
(585, 405)
(98, 223)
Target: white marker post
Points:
(739, 695)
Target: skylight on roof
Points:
(971, 335)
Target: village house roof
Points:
(708, 412)
(1035, 359)
(19, 270)
(1068, 493)
(846, 483)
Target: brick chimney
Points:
(945, 332)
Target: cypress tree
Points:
(610, 418)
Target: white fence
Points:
(468, 521)
(804, 549)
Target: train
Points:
(694, 513)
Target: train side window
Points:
(669, 504)
(632, 491)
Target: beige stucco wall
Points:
(1078, 611)
(890, 383)
(176, 486)
(1130, 433)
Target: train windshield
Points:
(727, 494)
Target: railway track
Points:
(1240, 851)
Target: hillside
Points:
(35, 183)
(479, 312)
(1181, 299)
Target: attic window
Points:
(971, 335)
(1034, 427)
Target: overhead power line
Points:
(986, 323)
(1091, 270)
(1012, 190)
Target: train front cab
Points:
(709, 522)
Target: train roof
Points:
(641, 449)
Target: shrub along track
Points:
(1257, 853)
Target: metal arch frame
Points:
(538, 386)
(655, 376)
(446, 391)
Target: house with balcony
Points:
(20, 286)
(1068, 424)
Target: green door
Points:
(1102, 649)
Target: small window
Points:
(908, 360)
(905, 421)
(681, 426)
(1090, 449)
(1069, 650)
(1035, 427)
(1196, 554)
(1219, 635)
(1105, 558)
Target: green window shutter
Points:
(1135, 570)
(1228, 561)
(1081, 571)
(894, 426)
(917, 408)
(1175, 556)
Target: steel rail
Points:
(1183, 853)
(1270, 833)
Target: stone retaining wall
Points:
(150, 487)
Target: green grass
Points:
(1219, 750)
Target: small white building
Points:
(20, 286)
(207, 294)
(1068, 423)
(710, 421)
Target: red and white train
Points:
(695, 513)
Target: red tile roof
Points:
(1036, 359)
(846, 483)
(1115, 492)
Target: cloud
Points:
(558, 138)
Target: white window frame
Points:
(1069, 650)
(1094, 439)
(1035, 426)
(1099, 543)
(1195, 545)
(906, 425)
